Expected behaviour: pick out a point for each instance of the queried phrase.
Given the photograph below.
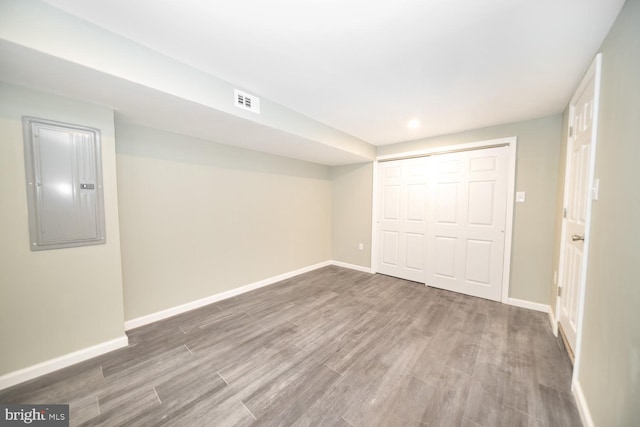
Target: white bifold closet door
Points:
(402, 225)
(467, 216)
(442, 220)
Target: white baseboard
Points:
(51, 365)
(31, 372)
(351, 266)
(528, 304)
(173, 311)
(554, 323)
(581, 403)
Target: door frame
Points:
(510, 143)
(595, 70)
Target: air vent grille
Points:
(247, 102)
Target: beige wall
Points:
(610, 366)
(534, 222)
(199, 218)
(351, 194)
(53, 302)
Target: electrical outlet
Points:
(360, 246)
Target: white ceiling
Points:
(367, 67)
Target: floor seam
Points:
(248, 410)
(220, 375)
(348, 422)
(330, 368)
(157, 397)
(185, 346)
(522, 412)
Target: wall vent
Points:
(246, 101)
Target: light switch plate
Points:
(520, 196)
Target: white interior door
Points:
(402, 223)
(577, 201)
(467, 220)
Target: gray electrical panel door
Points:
(64, 184)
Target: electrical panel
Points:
(64, 184)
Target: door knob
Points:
(575, 238)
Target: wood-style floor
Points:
(333, 347)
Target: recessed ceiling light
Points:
(413, 124)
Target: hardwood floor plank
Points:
(304, 390)
(124, 409)
(464, 354)
(406, 405)
(559, 407)
(83, 409)
(218, 319)
(119, 401)
(250, 373)
(229, 413)
(142, 365)
(360, 353)
(59, 387)
(509, 417)
(489, 386)
(332, 347)
(302, 379)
